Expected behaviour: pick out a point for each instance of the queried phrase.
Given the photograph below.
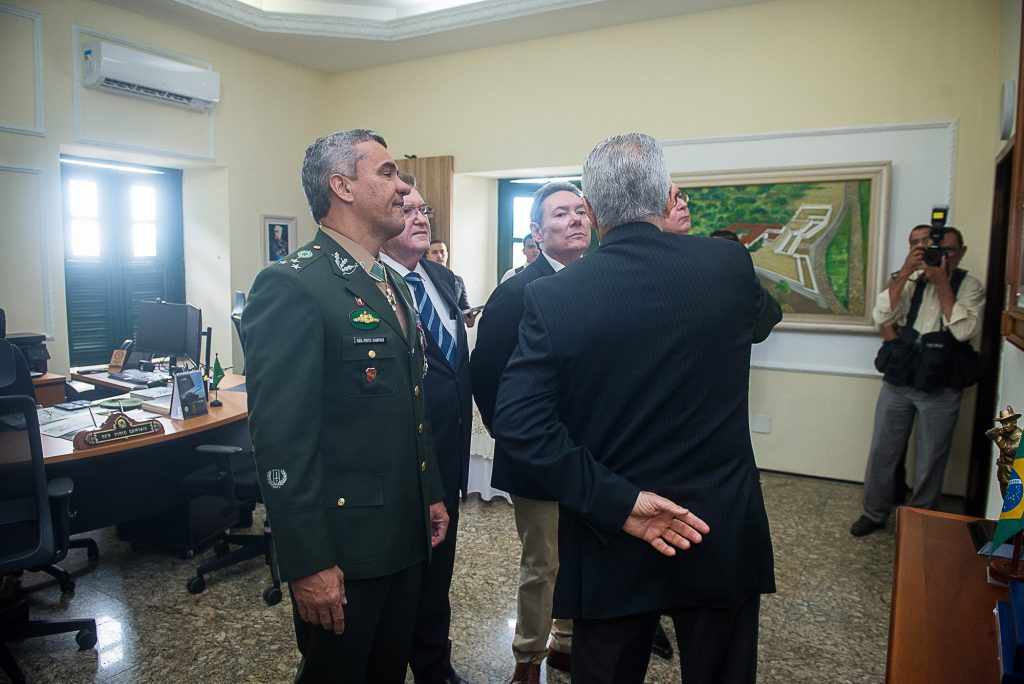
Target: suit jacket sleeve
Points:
(281, 333)
(526, 418)
(497, 334)
(769, 313)
(463, 297)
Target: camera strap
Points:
(915, 301)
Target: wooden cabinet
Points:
(49, 388)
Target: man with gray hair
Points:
(339, 427)
(560, 225)
(661, 424)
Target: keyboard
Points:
(138, 377)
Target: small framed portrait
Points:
(277, 236)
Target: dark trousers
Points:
(715, 646)
(430, 658)
(378, 632)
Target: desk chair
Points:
(15, 380)
(232, 476)
(236, 315)
(34, 523)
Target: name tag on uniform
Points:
(357, 339)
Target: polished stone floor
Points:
(828, 621)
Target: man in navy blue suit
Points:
(448, 395)
(559, 223)
(626, 401)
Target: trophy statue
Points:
(1006, 436)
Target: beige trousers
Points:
(537, 524)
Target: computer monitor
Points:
(168, 329)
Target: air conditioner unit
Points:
(118, 69)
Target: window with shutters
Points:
(123, 243)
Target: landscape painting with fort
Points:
(813, 233)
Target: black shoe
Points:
(660, 645)
(864, 526)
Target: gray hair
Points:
(545, 191)
(408, 179)
(331, 154)
(625, 179)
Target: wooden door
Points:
(434, 181)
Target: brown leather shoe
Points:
(559, 661)
(526, 673)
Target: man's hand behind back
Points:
(663, 524)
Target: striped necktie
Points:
(430, 317)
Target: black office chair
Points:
(236, 315)
(15, 380)
(34, 523)
(232, 476)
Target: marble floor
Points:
(828, 621)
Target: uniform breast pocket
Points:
(369, 365)
(355, 516)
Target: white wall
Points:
(241, 162)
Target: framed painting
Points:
(277, 236)
(816, 235)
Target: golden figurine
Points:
(1006, 436)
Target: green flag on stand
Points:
(218, 373)
(1011, 520)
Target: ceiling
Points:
(332, 36)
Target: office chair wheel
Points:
(272, 595)
(67, 586)
(195, 585)
(85, 639)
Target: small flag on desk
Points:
(1011, 520)
(218, 372)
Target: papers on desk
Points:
(66, 427)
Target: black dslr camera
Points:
(934, 252)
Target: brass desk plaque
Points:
(116, 428)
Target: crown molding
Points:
(399, 28)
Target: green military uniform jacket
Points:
(336, 412)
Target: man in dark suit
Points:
(449, 407)
(339, 425)
(559, 223)
(631, 378)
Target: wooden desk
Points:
(942, 627)
(135, 484)
(57, 450)
(49, 388)
(102, 379)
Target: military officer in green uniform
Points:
(335, 364)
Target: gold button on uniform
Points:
(416, 391)
(341, 502)
(419, 428)
(423, 466)
(372, 354)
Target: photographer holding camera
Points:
(936, 308)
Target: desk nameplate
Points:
(116, 428)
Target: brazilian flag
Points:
(218, 374)
(1011, 520)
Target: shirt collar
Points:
(555, 264)
(356, 250)
(402, 270)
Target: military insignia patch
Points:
(364, 319)
(343, 265)
(276, 477)
(360, 302)
(296, 267)
(304, 254)
(371, 374)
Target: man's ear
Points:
(535, 232)
(590, 215)
(342, 187)
(673, 190)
